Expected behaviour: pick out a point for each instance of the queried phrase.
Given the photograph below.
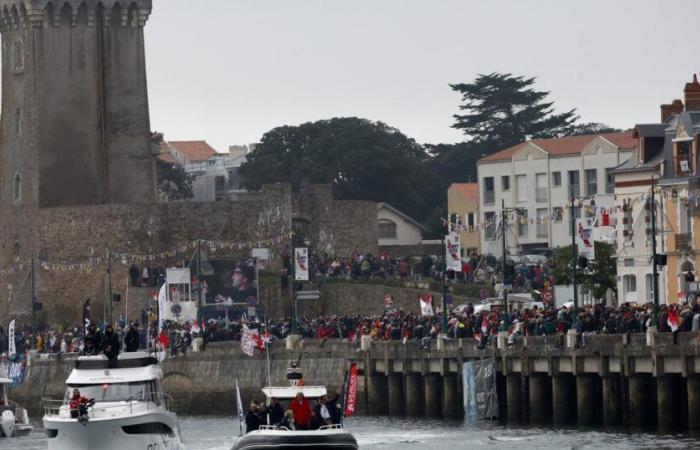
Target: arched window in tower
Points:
(17, 189)
(18, 56)
(15, 252)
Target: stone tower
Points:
(75, 120)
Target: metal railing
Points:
(61, 408)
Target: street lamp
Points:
(295, 312)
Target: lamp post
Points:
(295, 313)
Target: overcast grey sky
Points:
(227, 71)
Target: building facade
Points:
(538, 178)
(463, 200)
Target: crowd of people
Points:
(300, 413)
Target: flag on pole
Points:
(672, 320)
(239, 407)
(351, 394)
(162, 304)
(251, 340)
(11, 348)
(426, 307)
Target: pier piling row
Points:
(616, 380)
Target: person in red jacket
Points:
(78, 406)
(301, 408)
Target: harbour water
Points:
(220, 433)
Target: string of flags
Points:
(128, 258)
(587, 206)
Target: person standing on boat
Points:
(316, 420)
(252, 419)
(287, 421)
(111, 345)
(301, 408)
(275, 411)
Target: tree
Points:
(173, 182)
(602, 271)
(597, 278)
(501, 110)
(591, 128)
(363, 160)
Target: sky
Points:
(227, 71)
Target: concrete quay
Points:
(616, 380)
(638, 380)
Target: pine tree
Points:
(501, 110)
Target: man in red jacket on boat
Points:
(302, 411)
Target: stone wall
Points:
(336, 227)
(405, 251)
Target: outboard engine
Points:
(7, 423)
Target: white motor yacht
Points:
(281, 438)
(14, 420)
(123, 407)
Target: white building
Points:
(216, 175)
(539, 177)
(396, 228)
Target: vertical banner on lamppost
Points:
(11, 347)
(301, 264)
(453, 252)
(584, 237)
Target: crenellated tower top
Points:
(16, 14)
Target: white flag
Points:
(162, 304)
(250, 340)
(12, 349)
(426, 308)
(453, 252)
(239, 406)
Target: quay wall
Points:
(633, 380)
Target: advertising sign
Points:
(453, 252)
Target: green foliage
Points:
(501, 110)
(600, 275)
(363, 160)
(173, 183)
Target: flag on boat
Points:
(672, 320)
(11, 348)
(351, 394)
(250, 340)
(426, 306)
(239, 407)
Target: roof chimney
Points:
(692, 95)
(675, 107)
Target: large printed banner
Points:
(479, 382)
(453, 250)
(301, 264)
(14, 371)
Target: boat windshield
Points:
(115, 392)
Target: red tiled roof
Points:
(570, 145)
(167, 157)
(193, 150)
(470, 190)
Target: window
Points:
(591, 182)
(18, 121)
(522, 223)
(490, 221)
(521, 186)
(556, 179)
(609, 181)
(489, 194)
(387, 229)
(15, 252)
(18, 57)
(558, 214)
(630, 283)
(17, 189)
(574, 184)
(541, 183)
(683, 159)
(649, 287)
(542, 227)
(505, 183)
(470, 219)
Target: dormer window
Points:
(684, 158)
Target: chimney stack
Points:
(692, 95)
(675, 107)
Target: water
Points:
(217, 433)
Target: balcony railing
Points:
(684, 242)
(489, 197)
